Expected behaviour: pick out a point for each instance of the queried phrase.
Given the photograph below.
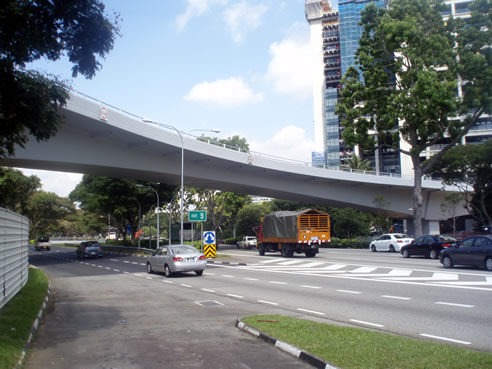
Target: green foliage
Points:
(119, 197)
(31, 30)
(234, 141)
(16, 189)
(284, 205)
(250, 216)
(349, 222)
(469, 167)
(355, 162)
(347, 243)
(405, 93)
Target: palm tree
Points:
(355, 162)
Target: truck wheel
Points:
(310, 253)
(261, 250)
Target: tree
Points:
(410, 68)
(233, 142)
(118, 197)
(348, 222)
(16, 189)
(250, 216)
(355, 162)
(469, 168)
(31, 30)
(45, 210)
(449, 205)
(380, 220)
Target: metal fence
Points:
(14, 242)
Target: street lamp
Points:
(140, 185)
(205, 130)
(182, 169)
(170, 216)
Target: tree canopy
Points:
(31, 30)
(406, 97)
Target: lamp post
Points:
(170, 216)
(140, 185)
(182, 169)
(205, 130)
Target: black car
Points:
(475, 251)
(427, 245)
(89, 249)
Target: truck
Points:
(292, 232)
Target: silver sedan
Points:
(176, 258)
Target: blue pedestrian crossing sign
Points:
(209, 238)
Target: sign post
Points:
(197, 216)
(209, 244)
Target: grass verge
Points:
(348, 348)
(18, 315)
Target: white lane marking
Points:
(168, 282)
(335, 267)
(126, 261)
(116, 270)
(396, 297)
(133, 262)
(227, 276)
(251, 279)
(99, 266)
(488, 282)
(93, 265)
(290, 262)
(307, 286)
(366, 323)
(149, 277)
(232, 295)
(435, 277)
(454, 304)
(275, 282)
(210, 273)
(126, 272)
(268, 302)
(113, 259)
(310, 265)
(143, 264)
(445, 339)
(108, 268)
(138, 275)
(363, 270)
(207, 290)
(311, 311)
(185, 285)
(270, 261)
(347, 291)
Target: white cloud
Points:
(242, 17)
(195, 8)
(290, 69)
(60, 183)
(289, 143)
(228, 92)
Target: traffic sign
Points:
(197, 215)
(209, 238)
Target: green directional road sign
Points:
(197, 215)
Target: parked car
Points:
(176, 258)
(474, 251)
(390, 242)
(89, 249)
(42, 243)
(247, 242)
(428, 246)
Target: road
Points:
(149, 321)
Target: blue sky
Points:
(240, 66)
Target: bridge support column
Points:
(431, 227)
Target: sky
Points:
(240, 66)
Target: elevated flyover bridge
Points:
(102, 140)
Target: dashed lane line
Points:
(310, 311)
(366, 323)
(396, 297)
(268, 302)
(445, 339)
(348, 291)
(455, 304)
(307, 286)
(232, 295)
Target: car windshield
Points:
(401, 236)
(183, 249)
(43, 239)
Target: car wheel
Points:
(447, 262)
(261, 250)
(488, 264)
(167, 271)
(149, 268)
(237, 245)
(405, 253)
(434, 254)
(199, 272)
(373, 248)
(392, 248)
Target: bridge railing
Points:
(255, 153)
(14, 263)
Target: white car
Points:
(247, 242)
(390, 242)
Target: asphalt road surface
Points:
(109, 313)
